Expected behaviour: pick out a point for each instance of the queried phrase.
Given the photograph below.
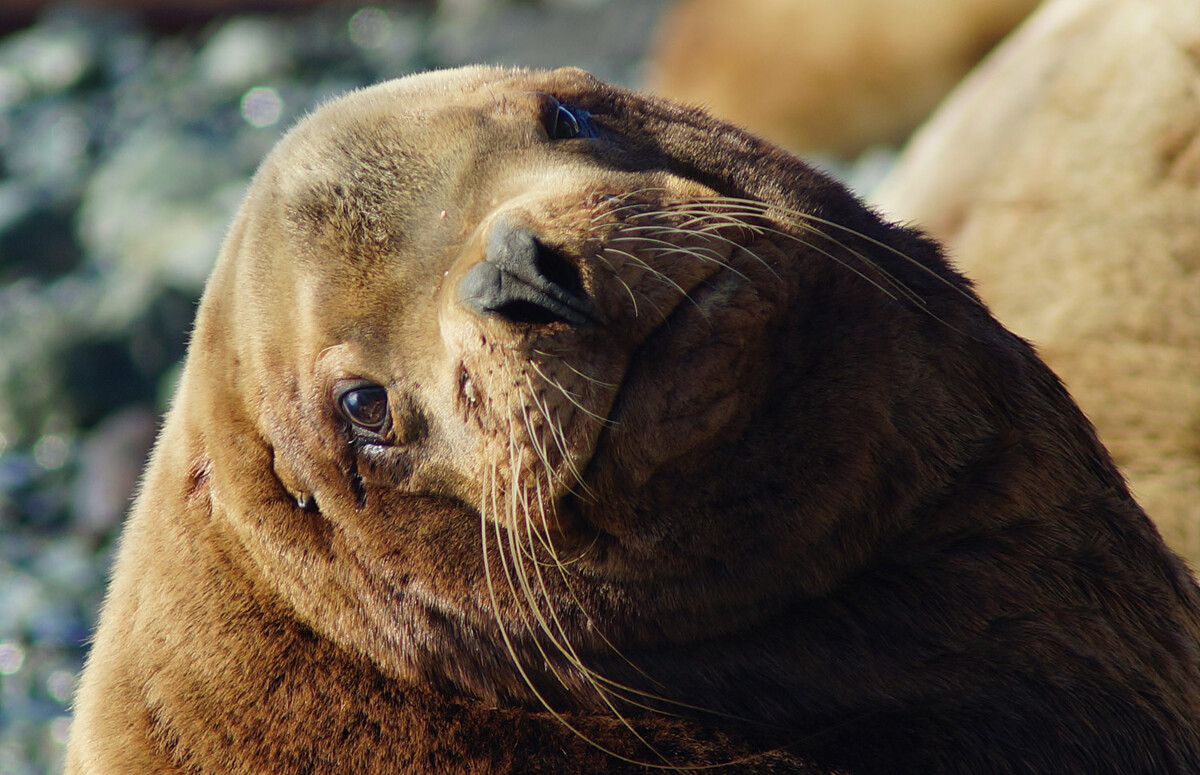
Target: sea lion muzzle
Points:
(524, 281)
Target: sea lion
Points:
(533, 425)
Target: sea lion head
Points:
(504, 375)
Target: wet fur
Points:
(795, 502)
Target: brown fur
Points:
(788, 499)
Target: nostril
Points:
(524, 281)
(558, 270)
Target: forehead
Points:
(416, 133)
(408, 105)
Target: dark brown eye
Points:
(366, 407)
(565, 124)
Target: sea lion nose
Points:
(523, 281)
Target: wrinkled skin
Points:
(757, 482)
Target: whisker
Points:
(518, 549)
(805, 220)
(560, 441)
(511, 648)
(797, 215)
(653, 273)
(890, 278)
(567, 363)
(707, 255)
(666, 281)
(571, 396)
(711, 230)
(641, 192)
(564, 647)
(613, 271)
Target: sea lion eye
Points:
(366, 406)
(565, 124)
